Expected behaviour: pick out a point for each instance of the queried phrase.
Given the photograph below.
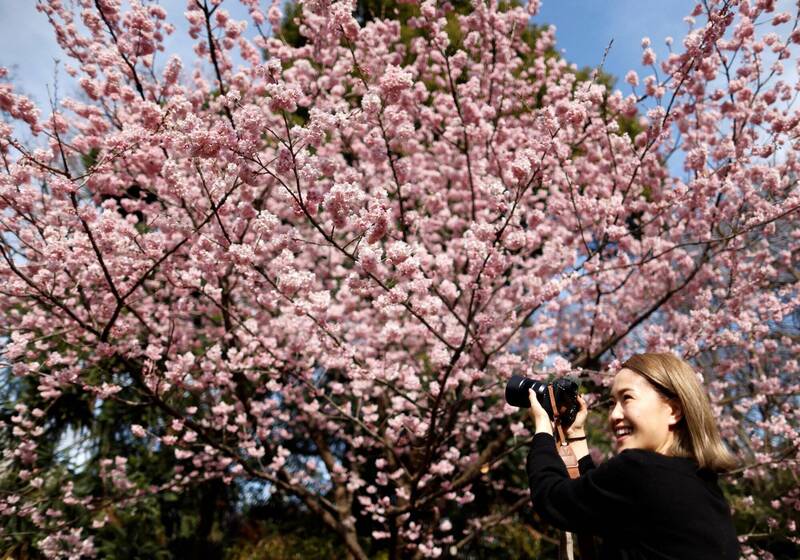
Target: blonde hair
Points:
(697, 433)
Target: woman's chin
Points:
(623, 442)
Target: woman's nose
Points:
(615, 413)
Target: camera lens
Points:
(517, 391)
(565, 393)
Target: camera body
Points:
(565, 391)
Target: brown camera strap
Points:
(585, 542)
(562, 445)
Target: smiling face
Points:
(641, 417)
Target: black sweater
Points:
(641, 503)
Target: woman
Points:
(658, 497)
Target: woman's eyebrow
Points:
(619, 392)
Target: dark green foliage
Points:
(90, 158)
(290, 28)
(281, 530)
(80, 430)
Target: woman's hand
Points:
(576, 429)
(543, 423)
(539, 415)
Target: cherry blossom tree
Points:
(318, 261)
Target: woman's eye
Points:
(627, 397)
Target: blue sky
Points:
(584, 29)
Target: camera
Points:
(565, 391)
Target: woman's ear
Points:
(676, 411)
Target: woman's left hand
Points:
(539, 415)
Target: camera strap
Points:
(585, 542)
(562, 445)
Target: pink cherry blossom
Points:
(355, 241)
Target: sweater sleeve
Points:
(585, 464)
(602, 499)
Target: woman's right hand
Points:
(576, 429)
